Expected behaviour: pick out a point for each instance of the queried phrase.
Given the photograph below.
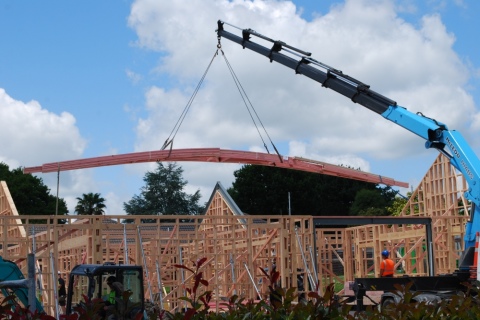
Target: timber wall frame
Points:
(235, 250)
(236, 245)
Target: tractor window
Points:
(101, 288)
(132, 281)
(79, 288)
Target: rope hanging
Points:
(249, 104)
(243, 94)
(175, 129)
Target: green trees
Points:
(264, 190)
(30, 195)
(398, 204)
(163, 194)
(90, 204)
(373, 202)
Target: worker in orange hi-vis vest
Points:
(387, 266)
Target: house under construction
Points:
(305, 249)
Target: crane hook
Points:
(219, 45)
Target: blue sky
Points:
(90, 78)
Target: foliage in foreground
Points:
(88, 309)
(282, 305)
(10, 309)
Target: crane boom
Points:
(329, 77)
(436, 134)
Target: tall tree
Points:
(90, 204)
(398, 204)
(374, 202)
(265, 190)
(163, 194)
(30, 195)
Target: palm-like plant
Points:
(90, 204)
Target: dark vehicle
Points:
(91, 280)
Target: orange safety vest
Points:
(388, 267)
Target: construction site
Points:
(306, 250)
(433, 241)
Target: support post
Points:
(125, 244)
(429, 236)
(32, 303)
(160, 286)
(54, 281)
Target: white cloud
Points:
(298, 149)
(133, 76)
(36, 136)
(413, 64)
(33, 131)
(114, 204)
(365, 39)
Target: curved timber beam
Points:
(220, 156)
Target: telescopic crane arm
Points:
(436, 134)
